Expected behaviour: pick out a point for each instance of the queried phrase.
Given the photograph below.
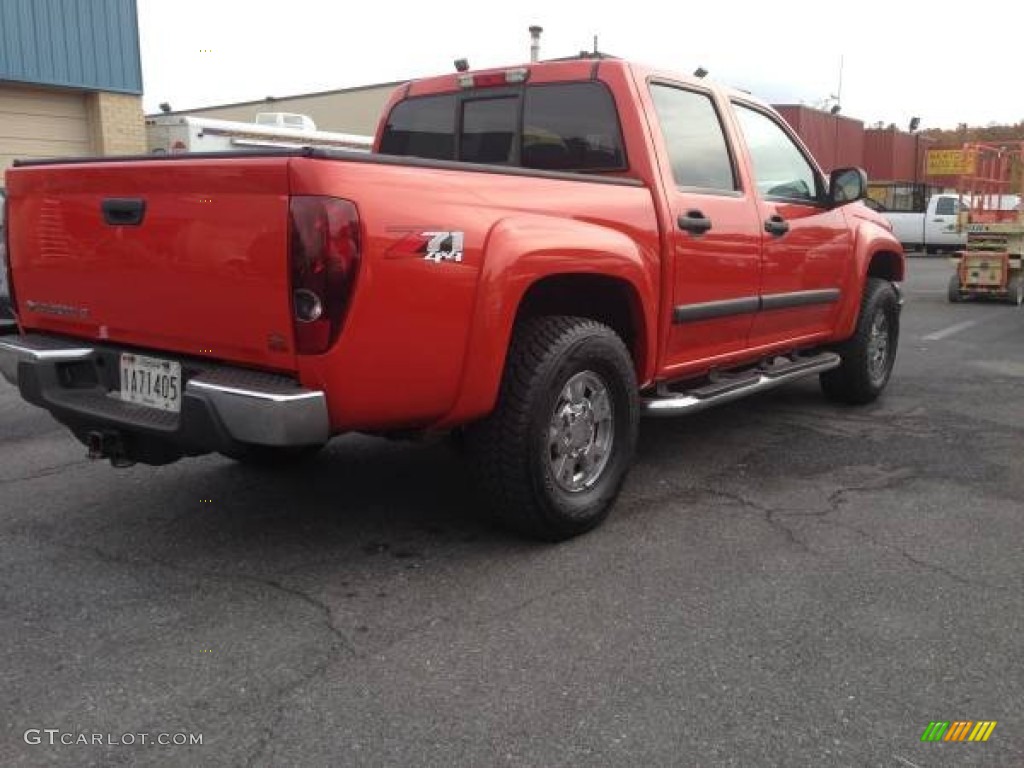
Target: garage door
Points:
(38, 122)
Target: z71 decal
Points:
(432, 245)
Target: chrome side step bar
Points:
(768, 376)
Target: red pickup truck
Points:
(534, 256)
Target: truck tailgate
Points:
(183, 255)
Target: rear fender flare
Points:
(518, 252)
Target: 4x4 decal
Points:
(435, 245)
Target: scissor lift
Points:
(991, 194)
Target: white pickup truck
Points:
(934, 229)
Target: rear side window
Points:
(422, 127)
(695, 139)
(572, 127)
(565, 127)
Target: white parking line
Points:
(945, 333)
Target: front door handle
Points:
(694, 222)
(776, 225)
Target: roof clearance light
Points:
(517, 75)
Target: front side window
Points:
(780, 169)
(694, 138)
(946, 206)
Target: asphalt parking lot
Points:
(784, 582)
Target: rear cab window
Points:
(569, 127)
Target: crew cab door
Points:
(940, 221)
(714, 244)
(807, 246)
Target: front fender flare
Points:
(870, 242)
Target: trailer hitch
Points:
(108, 445)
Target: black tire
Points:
(1015, 290)
(272, 457)
(862, 375)
(953, 291)
(513, 451)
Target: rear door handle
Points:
(694, 222)
(776, 225)
(123, 211)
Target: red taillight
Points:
(325, 253)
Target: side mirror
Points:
(847, 185)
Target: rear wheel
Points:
(551, 458)
(869, 355)
(953, 291)
(1015, 290)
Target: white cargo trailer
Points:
(170, 134)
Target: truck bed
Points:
(205, 274)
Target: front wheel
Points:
(551, 458)
(953, 289)
(869, 355)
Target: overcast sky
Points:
(943, 62)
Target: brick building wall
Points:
(118, 126)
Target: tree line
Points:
(964, 133)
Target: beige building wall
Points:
(40, 122)
(351, 110)
(117, 123)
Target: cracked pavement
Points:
(784, 582)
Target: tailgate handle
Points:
(123, 211)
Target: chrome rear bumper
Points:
(222, 406)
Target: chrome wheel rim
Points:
(878, 347)
(581, 432)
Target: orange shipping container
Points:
(834, 140)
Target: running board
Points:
(734, 386)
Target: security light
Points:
(700, 72)
(914, 123)
(461, 65)
(835, 109)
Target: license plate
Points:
(151, 382)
